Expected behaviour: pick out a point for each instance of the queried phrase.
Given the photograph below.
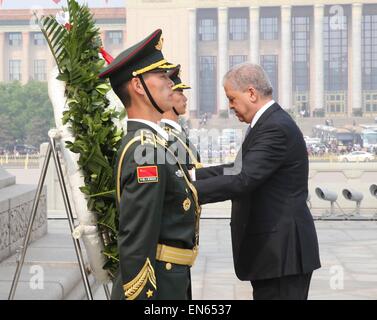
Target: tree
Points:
(6, 137)
(37, 129)
(21, 107)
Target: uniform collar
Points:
(172, 123)
(154, 126)
(260, 112)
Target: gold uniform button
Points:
(168, 266)
(186, 204)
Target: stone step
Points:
(50, 271)
(6, 179)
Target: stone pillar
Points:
(193, 63)
(318, 84)
(286, 58)
(254, 35)
(222, 57)
(356, 56)
(2, 62)
(103, 38)
(124, 39)
(25, 69)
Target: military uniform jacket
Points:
(155, 206)
(184, 150)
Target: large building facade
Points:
(321, 56)
(24, 53)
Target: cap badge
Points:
(159, 44)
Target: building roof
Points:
(22, 16)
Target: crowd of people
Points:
(325, 149)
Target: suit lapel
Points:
(251, 136)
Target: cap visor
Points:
(181, 86)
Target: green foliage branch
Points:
(75, 48)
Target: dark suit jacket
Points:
(273, 232)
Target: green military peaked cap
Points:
(175, 77)
(142, 57)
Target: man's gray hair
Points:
(247, 74)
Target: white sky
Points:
(33, 4)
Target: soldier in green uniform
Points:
(179, 142)
(178, 138)
(157, 204)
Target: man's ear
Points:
(253, 94)
(136, 85)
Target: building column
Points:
(286, 58)
(103, 38)
(193, 102)
(2, 62)
(318, 84)
(357, 9)
(25, 70)
(222, 57)
(125, 34)
(254, 35)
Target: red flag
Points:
(147, 174)
(1, 2)
(108, 58)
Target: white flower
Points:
(62, 18)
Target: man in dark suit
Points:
(274, 239)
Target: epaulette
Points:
(149, 137)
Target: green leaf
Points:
(89, 115)
(103, 88)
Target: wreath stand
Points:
(53, 148)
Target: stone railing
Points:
(15, 208)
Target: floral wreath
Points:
(75, 43)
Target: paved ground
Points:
(348, 252)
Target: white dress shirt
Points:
(260, 112)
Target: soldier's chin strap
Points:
(175, 111)
(140, 76)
